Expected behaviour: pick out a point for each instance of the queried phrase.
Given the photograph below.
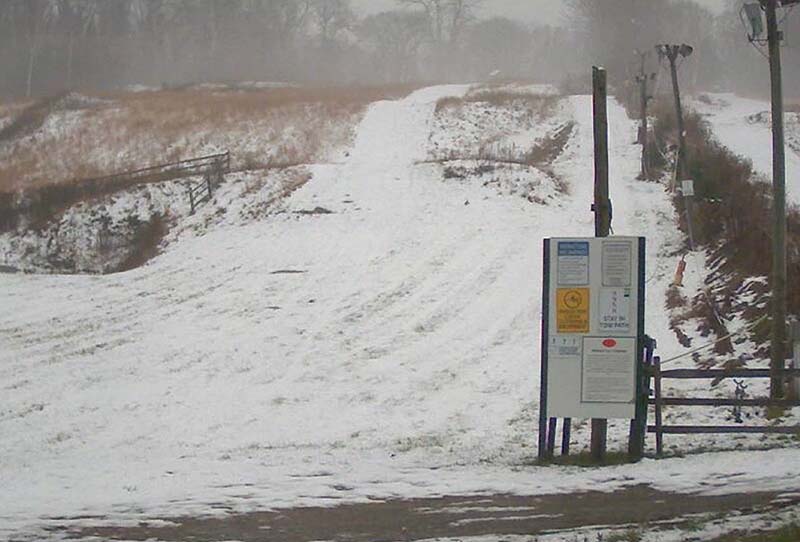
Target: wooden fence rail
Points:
(38, 205)
(167, 172)
(659, 401)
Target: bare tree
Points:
(394, 39)
(35, 16)
(501, 46)
(331, 17)
(446, 18)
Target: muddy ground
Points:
(406, 520)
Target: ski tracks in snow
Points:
(400, 333)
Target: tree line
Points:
(611, 32)
(51, 45)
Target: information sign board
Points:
(608, 375)
(572, 310)
(593, 322)
(573, 263)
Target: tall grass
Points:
(493, 149)
(53, 145)
(132, 130)
(537, 104)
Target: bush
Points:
(732, 219)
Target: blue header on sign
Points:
(573, 248)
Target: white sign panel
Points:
(593, 316)
(614, 311)
(565, 345)
(617, 263)
(608, 374)
(573, 263)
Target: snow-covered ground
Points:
(100, 235)
(744, 126)
(387, 348)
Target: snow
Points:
(386, 349)
(743, 125)
(95, 236)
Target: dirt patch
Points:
(314, 211)
(448, 517)
(288, 272)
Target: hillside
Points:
(371, 333)
(743, 125)
(56, 218)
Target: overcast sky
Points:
(542, 11)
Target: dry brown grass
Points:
(116, 132)
(538, 104)
(528, 108)
(235, 102)
(541, 156)
(262, 128)
(10, 108)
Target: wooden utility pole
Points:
(672, 52)
(644, 98)
(602, 211)
(778, 347)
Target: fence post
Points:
(657, 381)
(794, 382)
(551, 437)
(638, 428)
(566, 430)
(191, 200)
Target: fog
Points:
(47, 46)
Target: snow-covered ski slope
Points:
(744, 126)
(389, 348)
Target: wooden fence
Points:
(659, 402)
(167, 172)
(39, 205)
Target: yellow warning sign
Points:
(572, 310)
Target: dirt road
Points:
(405, 520)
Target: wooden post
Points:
(566, 430)
(545, 331)
(551, 437)
(778, 346)
(672, 52)
(601, 207)
(638, 426)
(672, 55)
(602, 211)
(794, 382)
(643, 99)
(657, 385)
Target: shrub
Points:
(732, 219)
(144, 246)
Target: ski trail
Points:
(743, 126)
(404, 338)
